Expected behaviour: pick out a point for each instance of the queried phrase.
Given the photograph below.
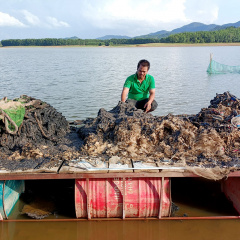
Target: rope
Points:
(40, 126)
(6, 118)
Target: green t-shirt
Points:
(137, 90)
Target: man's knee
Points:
(154, 105)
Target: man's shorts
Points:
(140, 104)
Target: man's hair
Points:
(144, 63)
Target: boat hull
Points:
(10, 191)
(231, 188)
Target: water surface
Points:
(79, 81)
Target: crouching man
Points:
(140, 88)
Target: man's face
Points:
(141, 72)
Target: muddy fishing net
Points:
(207, 144)
(29, 128)
(205, 140)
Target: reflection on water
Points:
(122, 230)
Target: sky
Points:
(20, 19)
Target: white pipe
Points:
(146, 168)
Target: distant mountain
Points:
(107, 37)
(192, 27)
(237, 24)
(71, 37)
(159, 34)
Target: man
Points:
(140, 88)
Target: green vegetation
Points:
(228, 35)
(79, 42)
(49, 42)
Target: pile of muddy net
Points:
(36, 131)
(207, 140)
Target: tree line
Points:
(228, 35)
(48, 42)
(79, 42)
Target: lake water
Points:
(79, 81)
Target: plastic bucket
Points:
(122, 198)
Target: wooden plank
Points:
(51, 166)
(145, 165)
(168, 163)
(84, 165)
(120, 164)
(31, 176)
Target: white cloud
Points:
(151, 13)
(56, 23)
(31, 19)
(208, 14)
(8, 21)
(214, 13)
(47, 22)
(204, 11)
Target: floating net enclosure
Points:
(219, 68)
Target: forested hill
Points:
(228, 35)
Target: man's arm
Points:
(148, 106)
(124, 94)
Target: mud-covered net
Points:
(218, 68)
(40, 129)
(207, 144)
(199, 142)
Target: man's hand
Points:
(147, 106)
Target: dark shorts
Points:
(140, 104)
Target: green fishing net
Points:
(218, 68)
(16, 113)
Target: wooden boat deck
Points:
(79, 168)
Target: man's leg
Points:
(140, 104)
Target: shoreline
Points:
(188, 44)
(141, 45)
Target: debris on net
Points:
(207, 139)
(39, 208)
(42, 133)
